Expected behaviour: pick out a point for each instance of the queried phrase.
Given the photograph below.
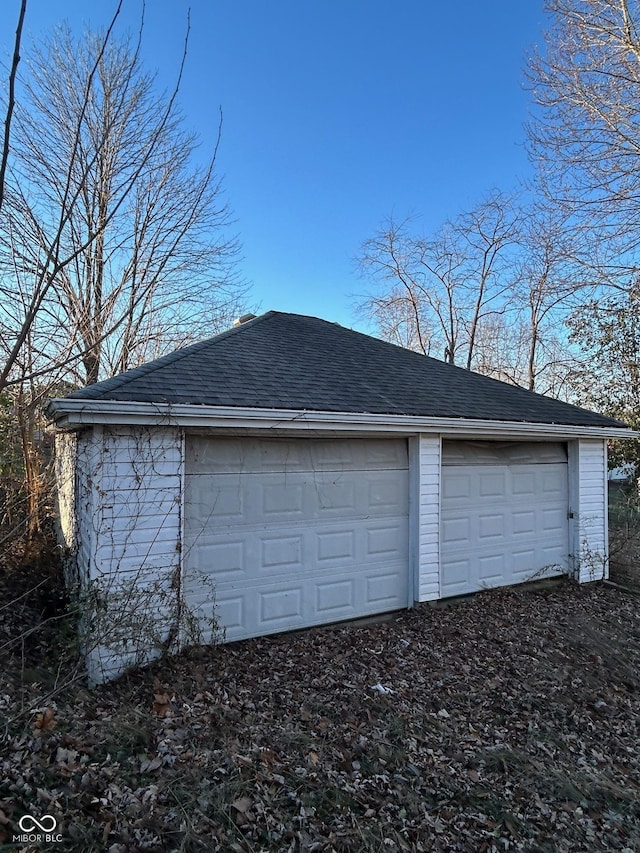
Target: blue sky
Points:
(337, 113)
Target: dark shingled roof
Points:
(288, 361)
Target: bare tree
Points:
(444, 286)
(585, 140)
(489, 230)
(585, 135)
(398, 317)
(114, 243)
(117, 239)
(548, 285)
(15, 328)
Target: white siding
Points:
(139, 515)
(425, 515)
(86, 500)
(589, 495)
(129, 499)
(66, 522)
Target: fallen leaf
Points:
(45, 721)
(380, 688)
(161, 704)
(149, 765)
(242, 805)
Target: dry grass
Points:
(624, 536)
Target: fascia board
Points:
(75, 414)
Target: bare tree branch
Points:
(11, 99)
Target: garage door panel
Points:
(382, 591)
(456, 486)
(523, 522)
(281, 500)
(523, 484)
(554, 519)
(553, 482)
(227, 555)
(385, 541)
(372, 454)
(327, 497)
(281, 552)
(458, 574)
(553, 555)
(335, 545)
(252, 608)
(274, 499)
(456, 531)
(205, 455)
(502, 523)
(207, 500)
(230, 612)
(308, 546)
(491, 566)
(491, 527)
(255, 553)
(336, 598)
(334, 495)
(387, 491)
(523, 561)
(491, 484)
(280, 605)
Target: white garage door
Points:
(292, 533)
(504, 514)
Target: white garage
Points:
(505, 513)
(291, 472)
(297, 532)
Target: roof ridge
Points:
(122, 379)
(461, 370)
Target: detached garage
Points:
(291, 472)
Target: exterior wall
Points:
(123, 514)
(424, 519)
(138, 521)
(66, 521)
(86, 501)
(75, 458)
(588, 497)
(129, 517)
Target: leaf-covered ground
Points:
(506, 722)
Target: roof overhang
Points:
(70, 414)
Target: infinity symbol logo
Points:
(28, 823)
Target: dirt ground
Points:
(506, 722)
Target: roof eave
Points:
(70, 414)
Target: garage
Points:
(289, 533)
(290, 472)
(504, 513)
